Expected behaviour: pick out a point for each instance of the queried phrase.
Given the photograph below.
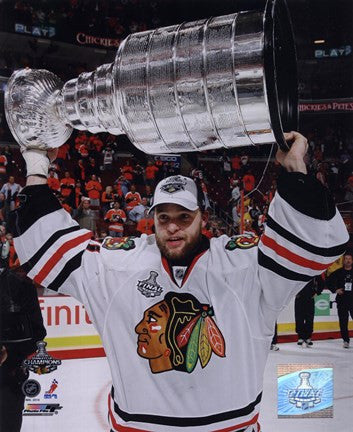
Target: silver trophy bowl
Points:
(221, 82)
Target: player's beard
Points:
(189, 248)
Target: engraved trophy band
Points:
(221, 82)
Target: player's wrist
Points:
(37, 163)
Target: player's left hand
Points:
(293, 160)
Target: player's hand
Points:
(293, 160)
(340, 291)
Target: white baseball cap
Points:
(176, 190)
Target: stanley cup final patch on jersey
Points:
(177, 332)
(118, 243)
(244, 241)
(150, 287)
(174, 184)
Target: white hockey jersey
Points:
(188, 348)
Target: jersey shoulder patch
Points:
(242, 241)
(119, 243)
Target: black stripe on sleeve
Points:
(73, 264)
(270, 264)
(37, 256)
(35, 202)
(324, 252)
(186, 421)
(306, 194)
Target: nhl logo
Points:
(174, 184)
(150, 287)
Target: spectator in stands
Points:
(96, 145)
(85, 215)
(116, 218)
(61, 157)
(132, 199)
(235, 162)
(53, 182)
(3, 165)
(225, 163)
(2, 205)
(93, 169)
(321, 174)
(235, 196)
(108, 158)
(248, 227)
(235, 217)
(203, 187)
(262, 219)
(304, 309)
(148, 195)
(11, 164)
(94, 189)
(13, 258)
(127, 171)
(81, 138)
(121, 185)
(80, 170)
(108, 197)
(11, 190)
(150, 174)
(244, 164)
(83, 151)
(248, 182)
(234, 180)
(54, 167)
(139, 174)
(146, 224)
(67, 186)
(138, 211)
(255, 213)
(79, 193)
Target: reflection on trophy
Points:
(225, 82)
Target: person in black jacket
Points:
(340, 282)
(304, 309)
(21, 326)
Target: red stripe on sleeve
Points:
(56, 257)
(291, 256)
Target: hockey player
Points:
(186, 322)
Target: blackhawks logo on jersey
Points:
(177, 332)
(119, 243)
(244, 241)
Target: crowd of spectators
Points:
(110, 195)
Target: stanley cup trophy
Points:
(221, 82)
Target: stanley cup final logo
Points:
(304, 396)
(305, 391)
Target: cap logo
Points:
(173, 184)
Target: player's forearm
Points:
(296, 165)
